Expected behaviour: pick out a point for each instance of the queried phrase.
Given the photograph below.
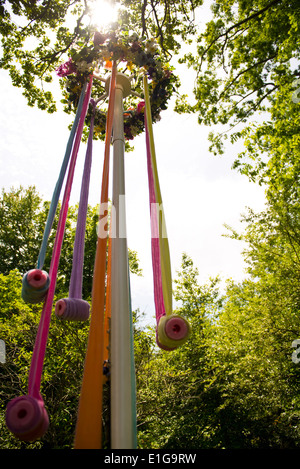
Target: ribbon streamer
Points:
(35, 283)
(132, 374)
(157, 203)
(171, 330)
(26, 416)
(39, 350)
(88, 433)
(57, 189)
(75, 308)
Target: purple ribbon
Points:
(75, 289)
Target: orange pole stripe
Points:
(108, 304)
(88, 433)
(106, 340)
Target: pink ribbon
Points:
(155, 248)
(36, 368)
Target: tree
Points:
(248, 52)
(254, 375)
(21, 229)
(246, 61)
(36, 38)
(175, 410)
(234, 383)
(236, 368)
(271, 155)
(63, 366)
(170, 22)
(25, 20)
(23, 217)
(258, 326)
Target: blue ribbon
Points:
(57, 190)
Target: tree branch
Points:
(245, 71)
(144, 6)
(236, 25)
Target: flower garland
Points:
(138, 57)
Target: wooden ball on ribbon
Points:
(27, 418)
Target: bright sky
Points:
(200, 192)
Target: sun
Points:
(103, 12)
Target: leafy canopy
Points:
(244, 59)
(248, 52)
(36, 36)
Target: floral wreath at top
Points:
(138, 57)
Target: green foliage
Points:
(63, 365)
(246, 60)
(21, 227)
(197, 301)
(37, 37)
(232, 385)
(171, 22)
(247, 55)
(253, 368)
(34, 38)
(23, 215)
(172, 410)
(271, 155)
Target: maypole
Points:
(146, 84)
(122, 386)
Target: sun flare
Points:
(104, 12)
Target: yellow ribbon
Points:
(169, 318)
(163, 239)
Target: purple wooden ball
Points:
(72, 309)
(27, 418)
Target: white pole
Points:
(120, 352)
